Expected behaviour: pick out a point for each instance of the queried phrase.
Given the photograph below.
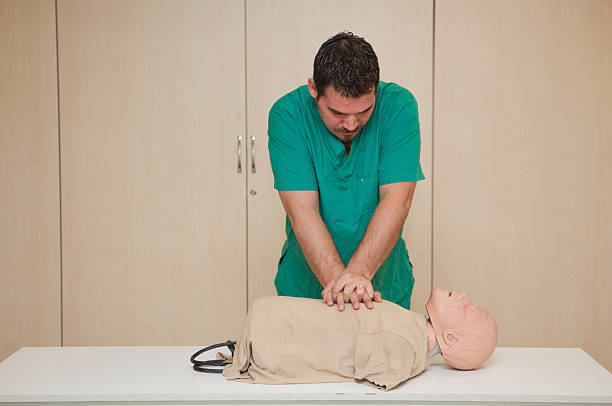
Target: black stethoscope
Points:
(199, 365)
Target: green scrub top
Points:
(305, 155)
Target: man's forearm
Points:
(381, 235)
(317, 245)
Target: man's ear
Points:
(312, 88)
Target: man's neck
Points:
(347, 147)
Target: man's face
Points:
(343, 116)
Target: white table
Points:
(164, 375)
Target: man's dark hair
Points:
(348, 63)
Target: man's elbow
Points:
(406, 206)
(400, 195)
(299, 204)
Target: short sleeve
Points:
(383, 358)
(401, 144)
(289, 155)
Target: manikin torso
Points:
(299, 340)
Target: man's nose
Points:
(350, 124)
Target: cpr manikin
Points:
(300, 340)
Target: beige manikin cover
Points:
(300, 340)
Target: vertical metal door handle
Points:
(252, 154)
(239, 159)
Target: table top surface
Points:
(164, 374)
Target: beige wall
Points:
(522, 169)
(514, 100)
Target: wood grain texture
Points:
(522, 169)
(30, 309)
(154, 220)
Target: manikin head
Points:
(466, 333)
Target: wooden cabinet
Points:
(152, 100)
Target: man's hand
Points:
(350, 286)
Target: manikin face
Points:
(343, 116)
(466, 333)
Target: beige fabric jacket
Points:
(300, 340)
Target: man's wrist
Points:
(359, 271)
(337, 271)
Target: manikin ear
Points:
(312, 89)
(451, 336)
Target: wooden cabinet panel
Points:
(30, 300)
(153, 208)
(523, 176)
(401, 34)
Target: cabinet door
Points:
(283, 39)
(153, 207)
(30, 305)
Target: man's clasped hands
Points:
(350, 286)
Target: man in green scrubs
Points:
(345, 152)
